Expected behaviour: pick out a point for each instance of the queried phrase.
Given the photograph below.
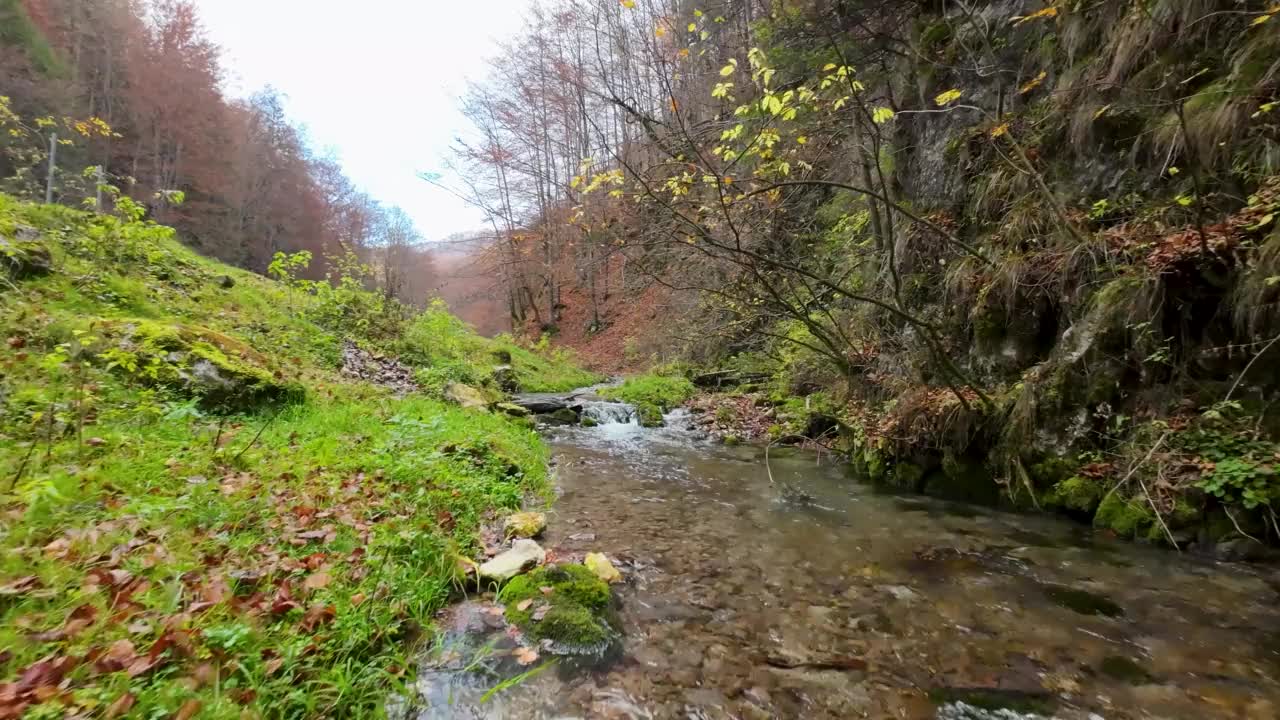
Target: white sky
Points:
(376, 82)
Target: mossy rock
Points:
(650, 415)
(225, 374)
(567, 416)
(576, 615)
(589, 422)
(904, 475)
(1076, 493)
(1128, 517)
(24, 256)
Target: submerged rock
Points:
(525, 524)
(523, 555)
(1083, 602)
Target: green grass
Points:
(279, 560)
(664, 391)
(440, 340)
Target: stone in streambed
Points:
(603, 569)
(523, 555)
(525, 524)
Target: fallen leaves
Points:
(525, 656)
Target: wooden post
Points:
(99, 179)
(53, 167)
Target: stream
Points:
(793, 591)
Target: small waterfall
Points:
(610, 413)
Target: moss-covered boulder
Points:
(466, 396)
(226, 374)
(24, 256)
(650, 414)
(1076, 494)
(565, 605)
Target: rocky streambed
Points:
(788, 590)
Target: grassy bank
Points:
(201, 515)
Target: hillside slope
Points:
(201, 513)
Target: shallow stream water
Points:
(789, 590)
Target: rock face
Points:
(24, 256)
(525, 524)
(389, 372)
(465, 395)
(523, 555)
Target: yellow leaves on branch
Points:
(881, 115)
(1042, 14)
(1033, 84)
(1266, 16)
(946, 98)
(628, 4)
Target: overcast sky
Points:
(376, 82)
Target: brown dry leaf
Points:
(357, 599)
(188, 710)
(525, 656)
(318, 615)
(496, 610)
(121, 706)
(317, 580)
(272, 666)
(20, 586)
(540, 611)
(547, 589)
(524, 604)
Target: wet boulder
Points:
(523, 555)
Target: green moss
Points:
(588, 421)
(906, 476)
(1076, 493)
(1051, 470)
(576, 614)
(1127, 517)
(663, 391)
(650, 415)
(224, 373)
(564, 415)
